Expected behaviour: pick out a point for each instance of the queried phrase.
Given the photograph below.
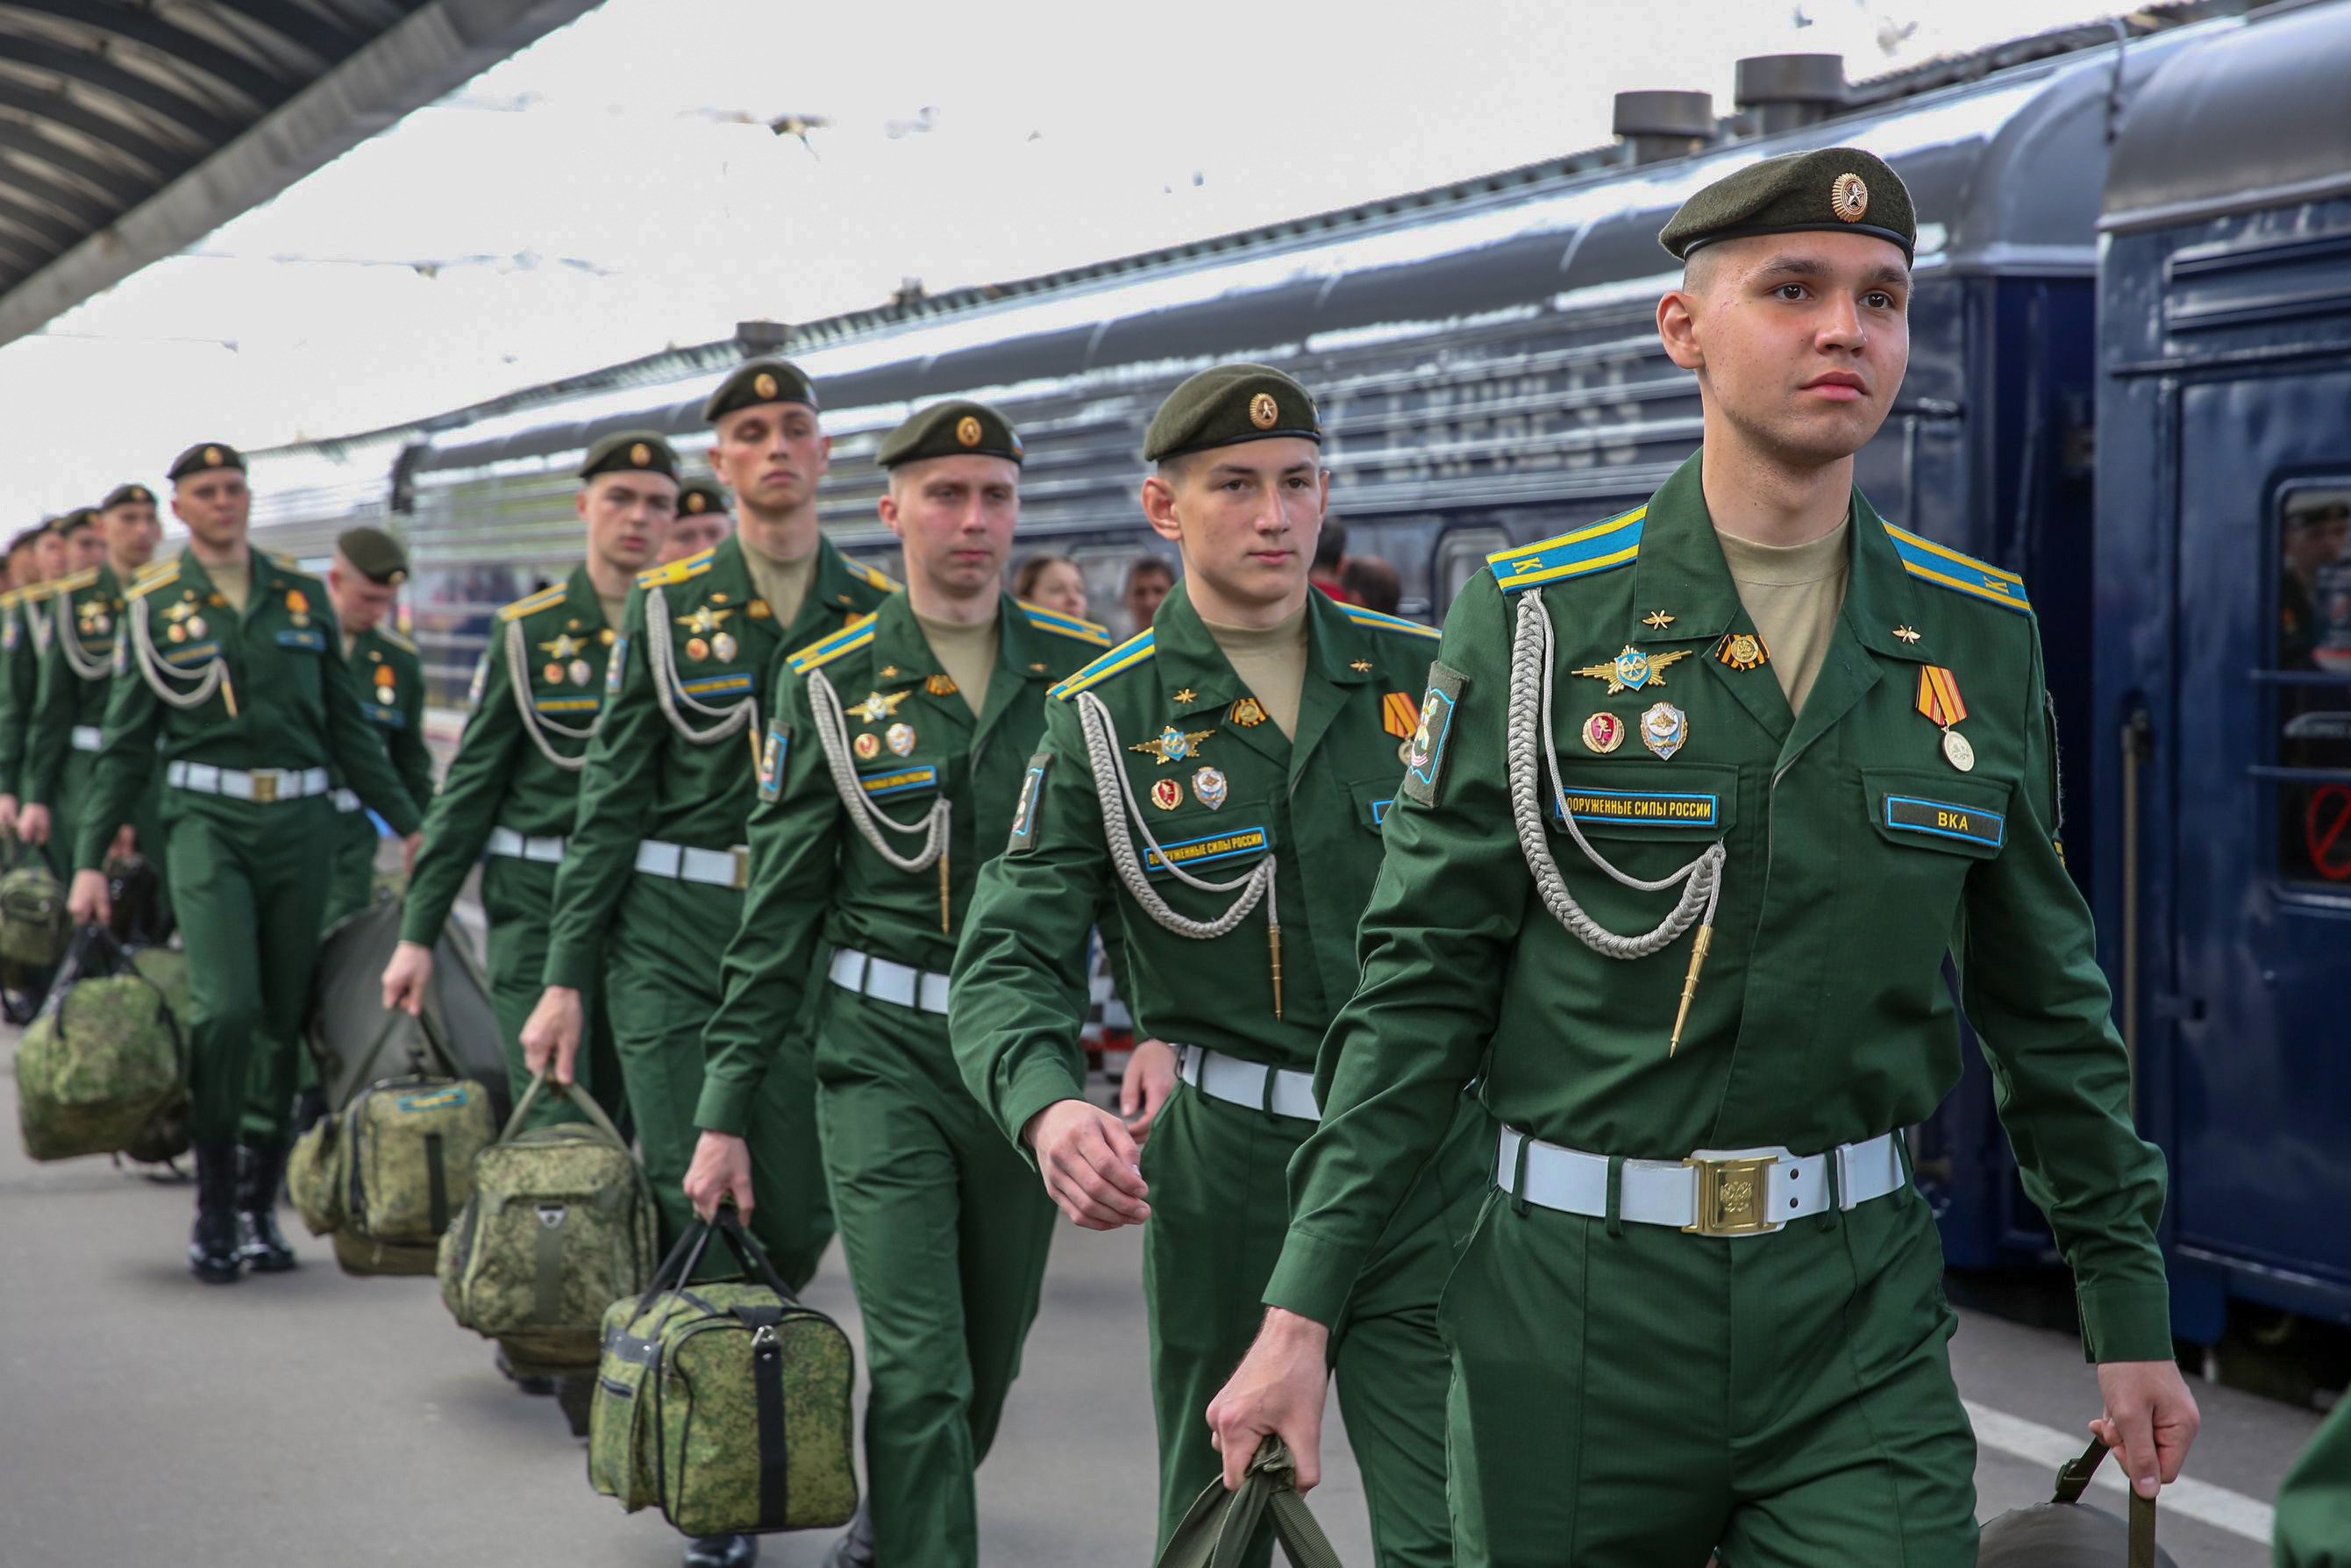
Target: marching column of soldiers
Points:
(1545, 1089)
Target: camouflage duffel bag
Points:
(559, 1227)
(385, 1177)
(103, 1064)
(726, 1406)
(35, 930)
(167, 1134)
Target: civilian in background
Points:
(1373, 583)
(1147, 582)
(1330, 569)
(1051, 580)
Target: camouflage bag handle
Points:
(582, 1101)
(113, 963)
(1217, 1530)
(2073, 1480)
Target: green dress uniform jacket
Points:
(2313, 1502)
(508, 802)
(1857, 856)
(68, 713)
(1230, 792)
(24, 638)
(263, 690)
(674, 768)
(945, 1228)
(391, 682)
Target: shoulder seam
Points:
(1135, 651)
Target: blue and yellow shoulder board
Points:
(395, 638)
(858, 633)
(1125, 657)
(1578, 553)
(75, 581)
(677, 571)
(1046, 619)
(1379, 621)
(878, 581)
(1946, 568)
(150, 581)
(545, 599)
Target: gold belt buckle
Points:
(265, 787)
(742, 853)
(1733, 1195)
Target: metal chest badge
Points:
(1166, 794)
(1209, 784)
(1173, 744)
(867, 746)
(1743, 651)
(1939, 700)
(900, 738)
(1632, 669)
(1604, 733)
(1664, 729)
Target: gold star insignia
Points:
(877, 707)
(572, 624)
(1657, 620)
(1173, 744)
(1361, 667)
(889, 671)
(1038, 668)
(1187, 696)
(1906, 635)
(564, 646)
(705, 621)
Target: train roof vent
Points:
(1664, 124)
(761, 337)
(1784, 92)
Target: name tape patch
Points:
(1644, 808)
(456, 1094)
(1201, 851)
(308, 640)
(1945, 820)
(898, 781)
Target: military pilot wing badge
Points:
(1632, 669)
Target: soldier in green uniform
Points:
(2314, 1502)
(24, 629)
(894, 755)
(1702, 1305)
(228, 667)
(69, 708)
(700, 522)
(513, 787)
(363, 584)
(1210, 792)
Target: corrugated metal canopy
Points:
(128, 129)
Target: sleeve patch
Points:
(1032, 798)
(1424, 755)
(616, 665)
(772, 759)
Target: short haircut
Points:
(1031, 568)
(1331, 548)
(1150, 564)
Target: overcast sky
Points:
(615, 189)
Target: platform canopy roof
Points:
(129, 128)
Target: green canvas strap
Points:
(547, 1260)
(2073, 1480)
(584, 1103)
(436, 1183)
(1215, 1532)
(775, 1447)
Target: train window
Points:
(2313, 683)
(1460, 556)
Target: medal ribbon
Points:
(1938, 696)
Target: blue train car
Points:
(2219, 735)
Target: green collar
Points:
(1190, 660)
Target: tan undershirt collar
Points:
(235, 583)
(1270, 662)
(1793, 594)
(784, 584)
(966, 653)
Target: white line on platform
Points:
(2214, 1505)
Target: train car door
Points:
(2259, 1074)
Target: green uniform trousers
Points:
(64, 819)
(245, 881)
(351, 865)
(946, 1228)
(1632, 1396)
(660, 963)
(1220, 1209)
(517, 897)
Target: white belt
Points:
(1715, 1192)
(1289, 1091)
(87, 738)
(347, 801)
(263, 785)
(888, 982)
(522, 847)
(717, 868)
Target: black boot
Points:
(526, 1382)
(576, 1395)
(722, 1551)
(260, 1244)
(855, 1547)
(213, 1247)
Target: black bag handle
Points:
(112, 961)
(678, 1267)
(2073, 1480)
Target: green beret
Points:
(696, 498)
(24, 538)
(78, 518)
(206, 455)
(376, 555)
(1227, 404)
(630, 452)
(127, 495)
(761, 381)
(958, 428)
(1839, 190)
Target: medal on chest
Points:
(1939, 700)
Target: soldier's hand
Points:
(89, 903)
(1150, 1079)
(126, 843)
(721, 1170)
(409, 846)
(407, 978)
(1277, 1390)
(33, 824)
(1089, 1164)
(2150, 1417)
(550, 1037)
(7, 813)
